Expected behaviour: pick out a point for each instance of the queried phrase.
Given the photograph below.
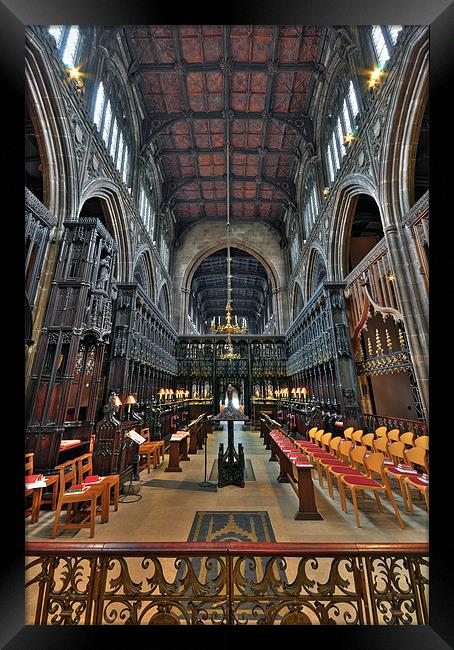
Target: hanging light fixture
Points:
(228, 328)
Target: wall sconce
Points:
(391, 277)
(325, 192)
(130, 400)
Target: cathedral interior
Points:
(226, 324)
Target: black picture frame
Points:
(439, 14)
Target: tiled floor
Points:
(169, 501)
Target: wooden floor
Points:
(169, 502)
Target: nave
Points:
(170, 500)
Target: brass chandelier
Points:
(229, 328)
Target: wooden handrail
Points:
(202, 549)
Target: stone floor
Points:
(169, 501)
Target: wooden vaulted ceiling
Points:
(250, 284)
(197, 82)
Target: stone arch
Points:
(297, 300)
(143, 260)
(55, 140)
(316, 270)
(219, 245)
(163, 302)
(402, 127)
(341, 220)
(117, 222)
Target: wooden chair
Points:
(357, 436)
(145, 433)
(407, 438)
(29, 464)
(324, 462)
(394, 435)
(416, 456)
(318, 437)
(35, 493)
(381, 446)
(348, 433)
(311, 432)
(323, 452)
(374, 464)
(368, 441)
(345, 466)
(398, 471)
(85, 469)
(381, 432)
(158, 450)
(88, 497)
(422, 441)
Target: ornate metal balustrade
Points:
(372, 422)
(226, 584)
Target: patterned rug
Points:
(227, 526)
(248, 471)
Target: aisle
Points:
(170, 500)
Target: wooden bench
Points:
(295, 468)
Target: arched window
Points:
(311, 202)
(67, 40)
(108, 116)
(340, 127)
(146, 210)
(384, 38)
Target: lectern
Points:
(230, 463)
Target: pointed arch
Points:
(341, 221)
(316, 271)
(402, 128)
(117, 222)
(163, 302)
(297, 300)
(143, 271)
(55, 140)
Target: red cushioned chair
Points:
(400, 469)
(349, 465)
(417, 457)
(375, 465)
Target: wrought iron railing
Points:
(372, 422)
(226, 583)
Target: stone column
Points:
(411, 308)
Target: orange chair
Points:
(357, 436)
(88, 497)
(407, 438)
(381, 446)
(381, 432)
(346, 466)
(399, 470)
(368, 441)
(315, 454)
(348, 433)
(375, 465)
(85, 469)
(325, 462)
(393, 435)
(422, 441)
(416, 456)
